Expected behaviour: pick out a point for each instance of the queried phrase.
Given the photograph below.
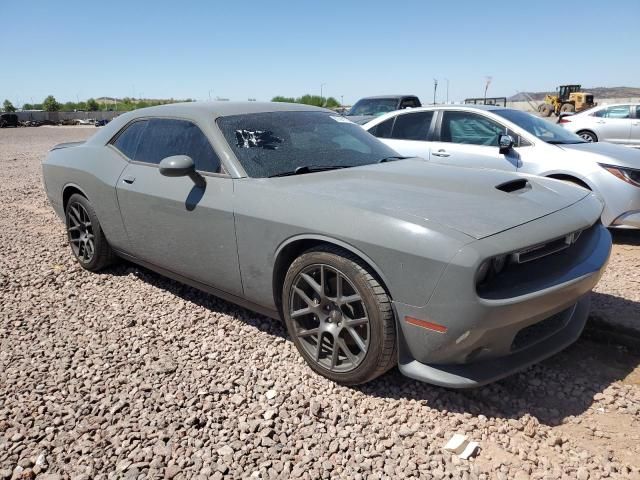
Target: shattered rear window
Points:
(272, 143)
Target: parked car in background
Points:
(619, 123)
(101, 123)
(468, 135)
(370, 107)
(8, 120)
(462, 276)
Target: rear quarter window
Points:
(127, 140)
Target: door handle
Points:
(440, 153)
(129, 179)
(600, 121)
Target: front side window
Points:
(469, 128)
(619, 111)
(412, 126)
(274, 143)
(127, 141)
(540, 128)
(165, 137)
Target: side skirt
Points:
(203, 286)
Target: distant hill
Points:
(598, 93)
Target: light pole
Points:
(486, 87)
(210, 94)
(321, 85)
(342, 101)
(447, 89)
(435, 88)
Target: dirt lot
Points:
(125, 374)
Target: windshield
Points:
(275, 143)
(543, 129)
(374, 106)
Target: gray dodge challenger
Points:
(460, 276)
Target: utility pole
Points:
(435, 89)
(321, 85)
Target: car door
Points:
(613, 124)
(634, 137)
(407, 133)
(170, 221)
(470, 139)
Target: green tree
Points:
(50, 104)
(331, 103)
(280, 98)
(8, 106)
(92, 105)
(307, 99)
(27, 106)
(69, 107)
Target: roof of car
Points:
(223, 109)
(376, 97)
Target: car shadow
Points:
(622, 236)
(553, 390)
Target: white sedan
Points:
(619, 123)
(507, 139)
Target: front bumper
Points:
(490, 337)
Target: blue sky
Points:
(245, 49)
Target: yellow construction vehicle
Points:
(569, 98)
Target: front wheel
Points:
(339, 316)
(86, 238)
(588, 136)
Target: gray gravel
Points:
(125, 374)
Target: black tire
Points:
(546, 110)
(567, 107)
(380, 352)
(86, 238)
(587, 135)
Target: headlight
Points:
(489, 268)
(628, 175)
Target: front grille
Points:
(539, 331)
(548, 248)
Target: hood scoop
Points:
(512, 186)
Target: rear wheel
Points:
(86, 238)
(568, 107)
(588, 136)
(339, 316)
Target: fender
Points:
(334, 241)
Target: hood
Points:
(360, 119)
(464, 199)
(608, 153)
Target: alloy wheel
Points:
(587, 137)
(80, 231)
(330, 318)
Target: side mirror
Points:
(181, 166)
(177, 166)
(505, 142)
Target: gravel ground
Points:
(125, 374)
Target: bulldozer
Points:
(568, 99)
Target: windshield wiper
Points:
(391, 159)
(309, 169)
